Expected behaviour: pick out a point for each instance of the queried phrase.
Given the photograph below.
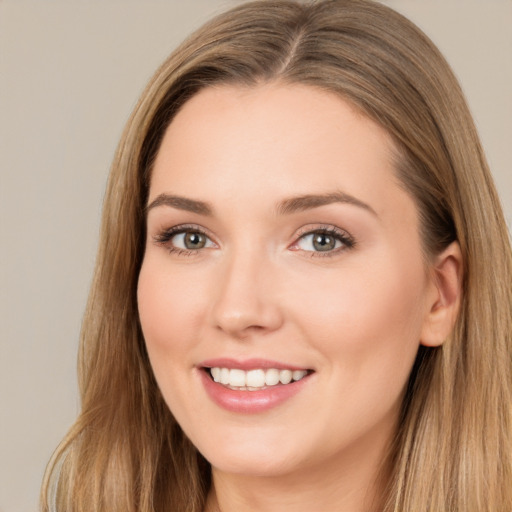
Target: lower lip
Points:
(250, 402)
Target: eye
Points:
(324, 241)
(190, 240)
(184, 239)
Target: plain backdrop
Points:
(70, 73)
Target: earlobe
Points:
(444, 301)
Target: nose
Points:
(246, 301)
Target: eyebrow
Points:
(307, 202)
(286, 207)
(181, 203)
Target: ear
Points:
(444, 297)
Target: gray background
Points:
(70, 72)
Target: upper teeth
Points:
(255, 379)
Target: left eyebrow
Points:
(307, 202)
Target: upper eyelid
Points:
(180, 228)
(325, 228)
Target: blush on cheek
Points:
(169, 311)
(376, 327)
(151, 299)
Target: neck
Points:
(352, 488)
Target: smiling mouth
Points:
(256, 379)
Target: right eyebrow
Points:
(181, 203)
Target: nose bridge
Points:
(244, 301)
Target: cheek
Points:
(367, 321)
(358, 302)
(168, 305)
(169, 313)
(167, 309)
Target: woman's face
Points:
(280, 246)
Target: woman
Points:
(302, 297)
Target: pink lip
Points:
(247, 364)
(250, 402)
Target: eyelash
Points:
(165, 237)
(347, 241)
(345, 238)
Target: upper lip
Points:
(248, 364)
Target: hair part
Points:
(453, 448)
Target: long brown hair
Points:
(453, 449)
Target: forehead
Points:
(268, 142)
(287, 121)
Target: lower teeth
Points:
(246, 388)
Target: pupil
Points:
(323, 242)
(194, 241)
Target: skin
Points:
(356, 315)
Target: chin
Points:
(258, 466)
(247, 456)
